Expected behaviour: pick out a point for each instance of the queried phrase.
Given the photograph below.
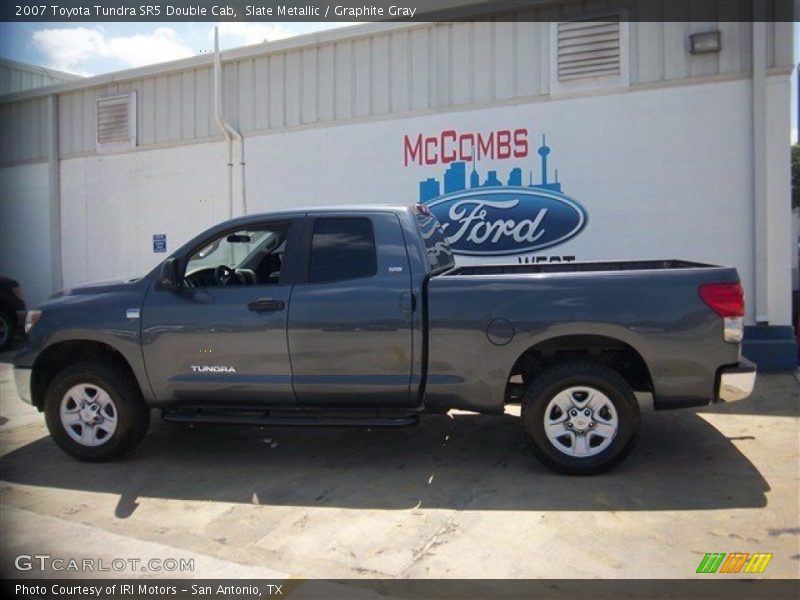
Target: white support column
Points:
(781, 244)
(760, 230)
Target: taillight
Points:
(727, 300)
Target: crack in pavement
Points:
(450, 524)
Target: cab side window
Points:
(341, 249)
(243, 257)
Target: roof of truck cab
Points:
(258, 218)
(348, 208)
(345, 208)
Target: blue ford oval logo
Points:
(482, 215)
(507, 220)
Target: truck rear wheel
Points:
(580, 418)
(94, 411)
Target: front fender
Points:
(101, 318)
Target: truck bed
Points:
(575, 267)
(482, 318)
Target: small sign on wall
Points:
(159, 242)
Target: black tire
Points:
(559, 378)
(8, 329)
(133, 416)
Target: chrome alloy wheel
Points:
(88, 414)
(581, 421)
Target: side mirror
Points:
(168, 275)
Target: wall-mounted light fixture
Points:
(705, 43)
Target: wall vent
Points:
(591, 48)
(116, 121)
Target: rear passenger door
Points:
(350, 314)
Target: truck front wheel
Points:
(94, 411)
(580, 418)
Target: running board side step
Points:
(289, 421)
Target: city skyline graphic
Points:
(455, 178)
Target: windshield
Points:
(231, 250)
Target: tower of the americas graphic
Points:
(544, 151)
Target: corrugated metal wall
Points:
(401, 71)
(15, 77)
(24, 127)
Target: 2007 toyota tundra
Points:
(357, 316)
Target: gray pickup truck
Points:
(358, 316)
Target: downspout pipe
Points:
(228, 131)
(220, 121)
(54, 193)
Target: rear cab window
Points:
(342, 248)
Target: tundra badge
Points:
(211, 369)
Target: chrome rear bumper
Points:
(737, 383)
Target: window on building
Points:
(116, 121)
(342, 248)
(589, 53)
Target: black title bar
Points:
(429, 589)
(393, 10)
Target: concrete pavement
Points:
(457, 496)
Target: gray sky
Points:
(94, 48)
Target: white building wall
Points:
(781, 245)
(113, 205)
(662, 173)
(24, 229)
(664, 167)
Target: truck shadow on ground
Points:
(776, 397)
(463, 462)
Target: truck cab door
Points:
(350, 315)
(221, 337)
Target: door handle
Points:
(263, 305)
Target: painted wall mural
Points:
(484, 215)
